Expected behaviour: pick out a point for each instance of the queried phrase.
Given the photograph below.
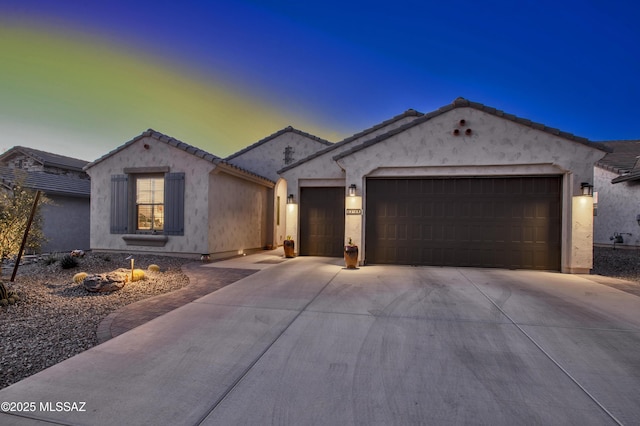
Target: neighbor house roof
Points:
(187, 148)
(288, 129)
(47, 158)
(49, 183)
(407, 113)
(464, 103)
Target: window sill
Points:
(145, 240)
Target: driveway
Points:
(306, 342)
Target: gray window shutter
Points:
(174, 204)
(119, 204)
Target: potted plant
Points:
(351, 255)
(289, 246)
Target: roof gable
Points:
(464, 103)
(274, 136)
(46, 158)
(407, 114)
(197, 152)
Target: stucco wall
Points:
(618, 206)
(269, 157)
(195, 239)
(66, 224)
(494, 146)
(238, 214)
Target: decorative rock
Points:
(100, 283)
(77, 253)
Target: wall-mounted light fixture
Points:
(638, 219)
(352, 190)
(587, 189)
(290, 199)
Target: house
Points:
(66, 219)
(465, 185)
(157, 194)
(617, 182)
(266, 157)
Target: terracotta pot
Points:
(289, 247)
(351, 256)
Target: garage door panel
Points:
(488, 222)
(322, 221)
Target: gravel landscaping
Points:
(57, 318)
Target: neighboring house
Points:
(466, 185)
(266, 157)
(66, 220)
(158, 194)
(617, 182)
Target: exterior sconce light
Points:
(587, 189)
(638, 219)
(290, 199)
(352, 190)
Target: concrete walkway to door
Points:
(306, 341)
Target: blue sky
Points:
(85, 77)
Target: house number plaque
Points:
(354, 211)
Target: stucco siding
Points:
(66, 224)
(267, 158)
(492, 142)
(158, 154)
(618, 206)
(238, 219)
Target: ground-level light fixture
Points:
(587, 189)
(132, 261)
(290, 199)
(352, 190)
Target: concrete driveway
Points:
(309, 342)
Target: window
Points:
(147, 203)
(150, 204)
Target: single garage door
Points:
(501, 222)
(322, 221)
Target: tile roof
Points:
(464, 103)
(623, 157)
(185, 147)
(48, 158)
(407, 113)
(49, 183)
(275, 135)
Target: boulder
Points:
(100, 283)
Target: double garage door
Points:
(501, 222)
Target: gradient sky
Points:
(80, 78)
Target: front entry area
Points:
(499, 222)
(322, 221)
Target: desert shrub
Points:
(68, 262)
(7, 297)
(79, 277)
(154, 268)
(138, 274)
(51, 259)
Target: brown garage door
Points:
(322, 221)
(501, 222)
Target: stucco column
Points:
(353, 223)
(292, 224)
(581, 235)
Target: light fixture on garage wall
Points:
(352, 190)
(638, 219)
(587, 189)
(290, 199)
